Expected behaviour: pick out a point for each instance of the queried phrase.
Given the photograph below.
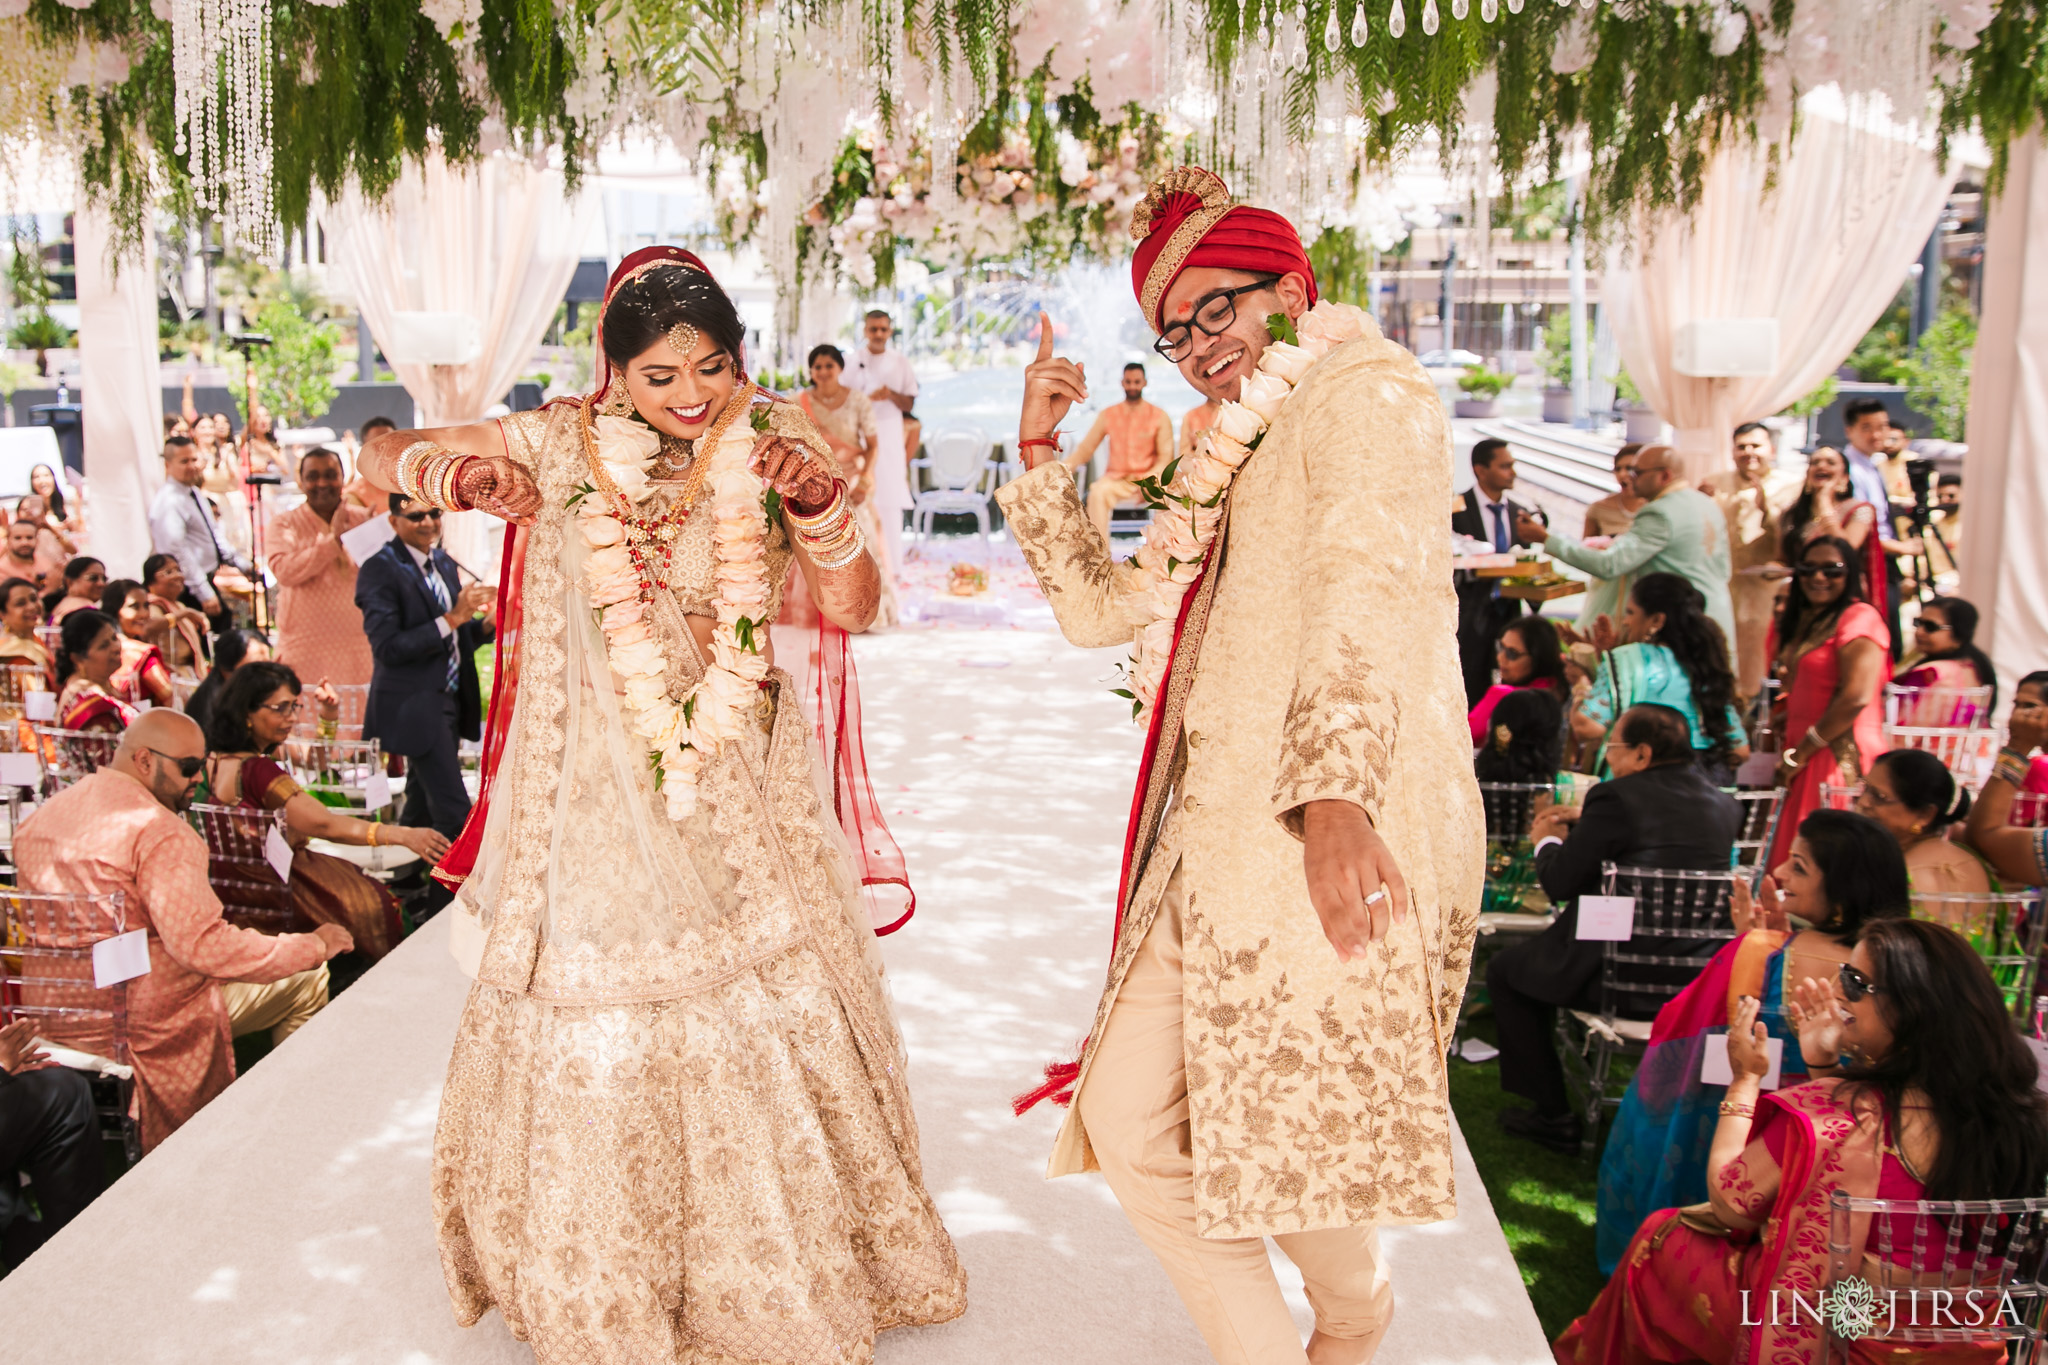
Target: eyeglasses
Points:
(283, 708)
(1214, 317)
(417, 517)
(1510, 652)
(1855, 985)
(1929, 624)
(1822, 571)
(188, 768)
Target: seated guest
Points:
(230, 651)
(1658, 810)
(185, 641)
(2018, 853)
(1914, 796)
(85, 582)
(19, 559)
(53, 546)
(1669, 653)
(1937, 1102)
(254, 716)
(143, 673)
(88, 658)
(122, 829)
(1945, 655)
(1525, 743)
(48, 1132)
(21, 611)
(1528, 655)
(1844, 870)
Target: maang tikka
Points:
(683, 337)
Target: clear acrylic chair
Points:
(1967, 752)
(334, 771)
(1681, 920)
(2003, 927)
(1983, 1261)
(69, 755)
(1510, 864)
(238, 868)
(1937, 708)
(17, 680)
(1760, 812)
(961, 462)
(2029, 810)
(348, 717)
(46, 974)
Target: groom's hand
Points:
(1052, 385)
(1353, 883)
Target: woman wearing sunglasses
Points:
(1944, 661)
(253, 718)
(1830, 656)
(1844, 871)
(1924, 1091)
(1827, 508)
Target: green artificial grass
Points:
(1544, 1200)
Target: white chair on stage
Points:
(962, 464)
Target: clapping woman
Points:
(1923, 1090)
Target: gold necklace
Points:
(650, 540)
(676, 454)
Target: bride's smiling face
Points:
(682, 394)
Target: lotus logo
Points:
(1852, 1309)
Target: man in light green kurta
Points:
(1679, 530)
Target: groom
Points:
(1302, 875)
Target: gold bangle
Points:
(1732, 1109)
(373, 832)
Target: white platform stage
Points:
(289, 1223)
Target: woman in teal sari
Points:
(1844, 869)
(1668, 651)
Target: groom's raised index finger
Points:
(1044, 335)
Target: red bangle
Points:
(1052, 440)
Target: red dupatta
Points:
(879, 861)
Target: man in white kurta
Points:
(883, 373)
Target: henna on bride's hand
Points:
(805, 484)
(498, 486)
(856, 589)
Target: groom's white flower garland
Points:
(1190, 508)
(628, 564)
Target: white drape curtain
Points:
(120, 390)
(497, 240)
(1823, 250)
(2004, 556)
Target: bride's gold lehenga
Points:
(676, 1126)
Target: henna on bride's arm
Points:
(853, 593)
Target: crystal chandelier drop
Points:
(220, 65)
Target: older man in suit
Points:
(424, 694)
(1486, 514)
(1658, 810)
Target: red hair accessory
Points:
(1187, 219)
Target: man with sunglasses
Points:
(1303, 871)
(121, 829)
(424, 693)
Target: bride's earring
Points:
(617, 402)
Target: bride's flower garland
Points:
(629, 563)
(1190, 507)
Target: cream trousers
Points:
(283, 1007)
(1134, 1109)
(1104, 496)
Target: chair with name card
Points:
(1675, 921)
(69, 755)
(1919, 1275)
(2004, 928)
(47, 974)
(239, 852)
(18, 679)
(341, 773)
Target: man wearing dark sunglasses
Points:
(424, 631)
(121, 829)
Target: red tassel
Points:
(1058, 1086)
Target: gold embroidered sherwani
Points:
(1327, 670)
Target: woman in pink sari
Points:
(1828, 651)
(1937, 1101)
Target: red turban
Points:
(1188, 219)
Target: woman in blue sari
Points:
(1670, 652)
(1843, 869)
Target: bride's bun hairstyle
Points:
(647, 306)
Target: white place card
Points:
(363, 541)
(1607, 919)
(278, 853)
(120, 958)
(377, 790)
(39, 705)
(1715, 1070)
(20, 770)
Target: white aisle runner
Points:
(288, 1222)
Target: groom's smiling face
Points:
(1218, 366)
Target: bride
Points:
(676, 1126)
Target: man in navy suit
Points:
(424, 694)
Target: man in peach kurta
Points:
(1140, 439)
(319, 627)
(120, 830)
